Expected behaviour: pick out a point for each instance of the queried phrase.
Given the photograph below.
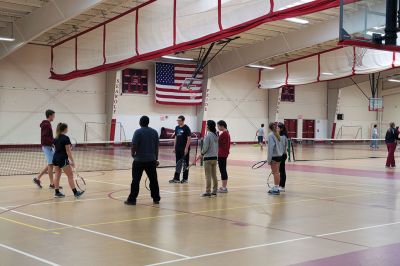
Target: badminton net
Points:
(21, 159)
(307, 149)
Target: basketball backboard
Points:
(369, 23)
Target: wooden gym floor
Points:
(335, 212)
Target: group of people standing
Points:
(145, 144)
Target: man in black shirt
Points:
(145, 158)
(182, 150)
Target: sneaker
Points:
(53, 187)
(274, 191)
(214, 194)
(184, 181)
(281, 189)
(126, 202)
(79, 194)
(222, 190)
(206, 195)
(174, 181)
(59, 195)
(156, 202)
(37, 182)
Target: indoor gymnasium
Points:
(199, 132)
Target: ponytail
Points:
(272, 127)
(212, 126)
(61, 127)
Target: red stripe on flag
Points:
(182, 104)
(178, 97)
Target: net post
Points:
(289, 149)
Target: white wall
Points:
(236, 98)
(131, 107)
(354, 106)
(310, 103)
(26, 92)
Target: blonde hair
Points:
(61, 127)
(273, 128)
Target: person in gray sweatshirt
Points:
(275, 152)
(209, 153)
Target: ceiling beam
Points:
(284, 43)
(52, 14)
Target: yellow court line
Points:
(212, 210)
(24, 224)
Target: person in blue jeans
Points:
(374, 136)
(145, 159)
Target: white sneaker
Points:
(281, 189)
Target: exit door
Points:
(291, 126)
(308, 128)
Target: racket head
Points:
(259, 164)
(79, 182)
(268, 179)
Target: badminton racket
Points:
(79, 181)
(259, 164)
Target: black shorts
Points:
(60, 161)
(277, 159)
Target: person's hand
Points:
(186, 151)
(199, 157)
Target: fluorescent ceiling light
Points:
(177, 58)
(327, 73)
(260, 66)
(393, 80)
(297, 20)
(7, 39)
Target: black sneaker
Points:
(206, 195)
(37, 182)
(184, 181)
(59, 195)
(156, 202)
(126, 202)
(214, 194)
(79, 194)
(53, 187)
(174, 181)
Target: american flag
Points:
(169, 78)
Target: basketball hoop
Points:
(375, 104)
(355, 58)
(193, 86)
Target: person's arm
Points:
(206, 146)
(174, 144)
(69, 153)
(157, 144)
(134, 144)
(270, 149)
(189, 141)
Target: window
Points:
(288, 94)
(134, 81)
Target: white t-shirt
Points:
(260, 132)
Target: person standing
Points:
(224, 144)
(275, 152)
(374, 136)
(145, 158)
(260, 134)
(390, 140)
(282, 165)
(46, 140)
(209, 153)
(182, 149)
(63, 161)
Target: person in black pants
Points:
(282, 166)
(182, 150)
(145, 158)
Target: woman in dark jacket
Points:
(391, 138)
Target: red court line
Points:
(386, 174)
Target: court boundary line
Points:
(99, 233)
(29, 255)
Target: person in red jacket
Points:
(46, 140)
(224, 144)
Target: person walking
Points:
(391, 141)
(145, 158)
(374, 137)
(260, 135)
